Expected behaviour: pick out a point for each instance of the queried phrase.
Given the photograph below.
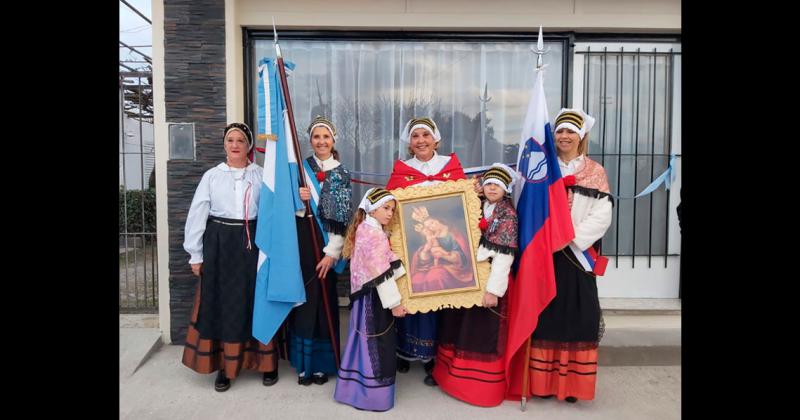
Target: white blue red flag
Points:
(545, 225)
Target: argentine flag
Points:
(279, 283)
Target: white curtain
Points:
(369, 89)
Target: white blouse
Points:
(569, 168)
(221, 193)
(431, 167)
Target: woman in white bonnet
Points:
(564, 344)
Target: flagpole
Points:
(524, 400)
(484, 99)
(539, 51)
(309, 214)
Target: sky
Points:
(135, 32)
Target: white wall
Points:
(581, 15)
(640, 281)
(162, 155)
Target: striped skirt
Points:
(220, 331)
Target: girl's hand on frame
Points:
(399, 311)
(489, 300)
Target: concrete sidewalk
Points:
(155, 385)
(162, 388)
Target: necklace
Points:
(241, 178)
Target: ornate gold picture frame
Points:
(435, 233)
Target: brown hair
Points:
(350, 236)
(583, 146)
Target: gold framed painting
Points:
(435, 233)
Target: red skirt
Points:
(482, 383)
(469, 358)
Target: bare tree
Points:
(137, 94)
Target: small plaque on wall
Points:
(181, 141)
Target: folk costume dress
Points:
(469, 361)
(416, 334)
(220, 234)
(309, 340)
(367, 374)
(564, 345)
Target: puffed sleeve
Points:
(196, 220)
(385, 269)
(594, 224)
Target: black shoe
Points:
(429, 367)
(429, 380)
(270, 378)
(222, 383)
(402, 365)
(571, 400)
(305, 380)
(320, 379)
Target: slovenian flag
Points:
(545, 225)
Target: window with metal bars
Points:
(631, 91)
(477, 86)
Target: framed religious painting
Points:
(435, 233)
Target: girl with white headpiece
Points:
(564, 344)
(368, 368)
(470, 356)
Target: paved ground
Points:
(639, 378)
(162, 388)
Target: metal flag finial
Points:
(275, 33)
(540, 50)
(540, 43)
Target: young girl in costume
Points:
(368, 365)
(469, 360)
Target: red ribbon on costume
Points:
(246, 213)
(358, 181)
(600, 262)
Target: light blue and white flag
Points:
(279, 284)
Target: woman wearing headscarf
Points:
(220, 239)
(416, 334)
(563, 361)
(310, 351)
